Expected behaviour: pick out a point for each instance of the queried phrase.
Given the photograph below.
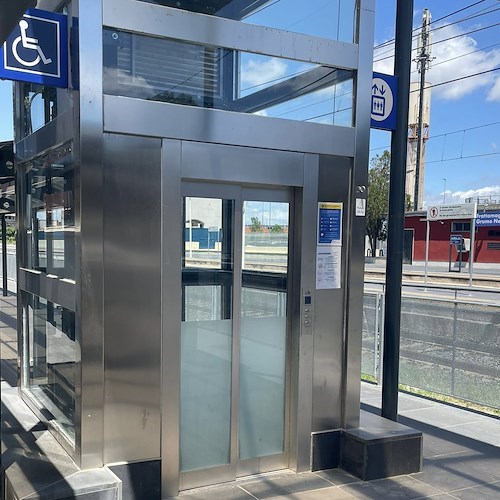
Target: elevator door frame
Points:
(240, 193)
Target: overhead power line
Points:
(459, 79)
(447, 39)
(387, 42)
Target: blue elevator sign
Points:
(37, 50)
(384, 101)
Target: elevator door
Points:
(234, 332)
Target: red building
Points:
(487, 244)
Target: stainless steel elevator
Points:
(170, 233)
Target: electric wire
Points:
(387, 42)
(446, 39)
(391, 48)
(444, 134)
(458, 79)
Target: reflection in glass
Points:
(206, 334)
(265, 240)
(332, 19)
(263, 329)
(185, 73)
(50, 213)
(41, 104)
(50, 334)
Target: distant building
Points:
(487, 239)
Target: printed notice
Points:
(329, 223)
(360, 207)
(328, 267)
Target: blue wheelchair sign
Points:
(37, 50)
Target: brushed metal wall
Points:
(329, 321)
(132, 298)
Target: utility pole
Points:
(423, 60)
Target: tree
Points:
(277, 228)
(377, 203)
(255, 225)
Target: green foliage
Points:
(11, 234)
(255, 225)
(277, 228)
(377, 204)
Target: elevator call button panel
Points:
(307, 314)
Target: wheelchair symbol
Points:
(30, 44)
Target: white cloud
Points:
(458, 197)
(255, 72)
(483, 192)
(451, 62)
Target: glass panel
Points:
(206, 334)
(50, 333)
(333, 19)
(179, 72)
(203, 233)
(40, 105)
(265, 241)
(263, 329)
(50, 213)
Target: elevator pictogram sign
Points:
(383, 101)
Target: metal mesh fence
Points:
(451, 348)
(448, 347)
(370, 340)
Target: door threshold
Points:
(238, 482)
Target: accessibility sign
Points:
(37, 50)
(384, 101)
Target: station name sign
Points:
(442, 212)
(488, 219)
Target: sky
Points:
(463, 152)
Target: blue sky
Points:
(455, 108)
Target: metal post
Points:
(471, 252)
(390, 378)
(427, 237)
(4, 256)
(423, 60)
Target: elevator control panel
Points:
(307, 313)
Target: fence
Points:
(450, 345)
(11, 263)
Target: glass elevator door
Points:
(234, 332)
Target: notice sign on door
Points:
(330, 223)
(329, 246)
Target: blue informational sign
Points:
(455, 240)
(330, 223)
(488, 219)
(37, 50)
(384, 101)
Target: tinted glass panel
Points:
(263, 329)
(50, 335)
(206, 333)
(50, 213)
(212, 77)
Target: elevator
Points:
(196, 240)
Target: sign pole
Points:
(471, 252)
(427, 238)
(394, 272)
